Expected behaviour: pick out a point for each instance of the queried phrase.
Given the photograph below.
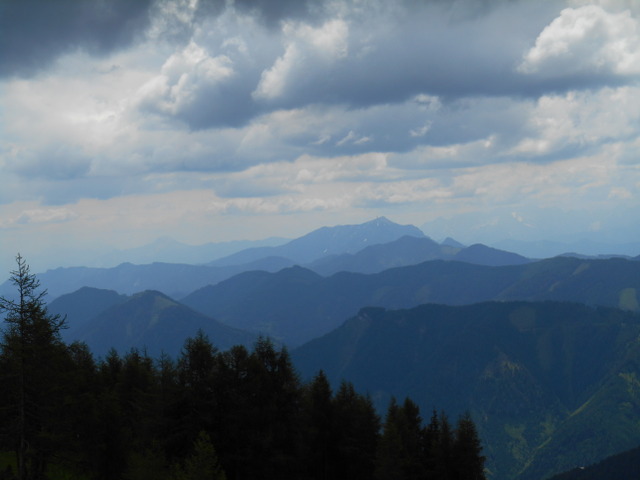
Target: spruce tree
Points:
(357, 433)
(469, 462)
(319, 430)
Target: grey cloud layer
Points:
(33, 33)
(437, 84)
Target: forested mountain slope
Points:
(552, 385)
(82, 305)
(149, 321)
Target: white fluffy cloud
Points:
(183, 78)
(583, 40)
(306, 48)
(561, 124)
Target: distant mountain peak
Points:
(451, 242)
(381, 221)
(327, 241)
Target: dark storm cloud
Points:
(34, 32)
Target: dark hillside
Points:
(296, 305)
(611, 282)
(155, 323)
(538, 374)
(82, 305)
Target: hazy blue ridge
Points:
(327, 241)
(175, 280)
(149, 320)
(296, 305)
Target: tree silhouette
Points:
(32, 352)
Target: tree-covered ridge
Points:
(551, 385)
(234, 414)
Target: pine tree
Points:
(390, 448)
(195, 406)
(467, 450)
(32, 352)
(273, 437)
(319, 428)
(357, 432)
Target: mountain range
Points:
(295, 305)
(168, 250)
(543, 353)
(327, 241)
(367, 248)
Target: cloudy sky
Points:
(208, 121)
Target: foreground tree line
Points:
(234, 415)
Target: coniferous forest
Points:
(235, 414)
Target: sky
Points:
(208, 121)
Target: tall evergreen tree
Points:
(444, 449)
(31, 359)
(319, 429)
(357, 432)
(274, 413)
(390, 449)
(195, 406)
(467, 451)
